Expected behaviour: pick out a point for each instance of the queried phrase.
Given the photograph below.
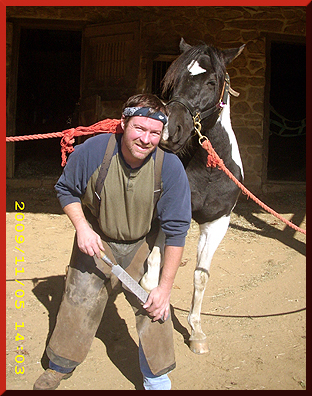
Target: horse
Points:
(199, 87)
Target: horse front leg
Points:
(151, 278)
(211, 234)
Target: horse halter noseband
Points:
(198, 116)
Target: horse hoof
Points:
(145, 285)
(199, 346)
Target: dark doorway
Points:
(48, 89)
(159, 70)
(287, 140)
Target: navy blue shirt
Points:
(77, 183)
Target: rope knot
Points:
(105, 126)
(67, 142)
(213, 160)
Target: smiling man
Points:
(142, 136)
(108, 191)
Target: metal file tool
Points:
(126, 279)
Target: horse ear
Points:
(230, 54)
(184, 46)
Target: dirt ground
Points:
(253, 311)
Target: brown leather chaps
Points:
(89, 282)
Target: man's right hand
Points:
(89, 242)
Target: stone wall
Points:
(224, 27)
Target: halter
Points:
(198, 116)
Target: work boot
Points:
(50, 380)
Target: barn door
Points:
(110, 68)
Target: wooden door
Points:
(110, 69)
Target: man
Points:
(120, 220)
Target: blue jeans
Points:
(150, 381)
(59, 369)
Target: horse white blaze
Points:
(211, 234)
(195, 69)
(225, 120)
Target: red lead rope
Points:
(68, 135)
(214, 160)
(113, 126)
(105, 126)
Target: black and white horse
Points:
(199, 90)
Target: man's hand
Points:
(89, 242)
(158, 303)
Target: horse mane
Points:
(175, 71)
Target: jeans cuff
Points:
(59, 369)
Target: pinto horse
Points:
(199, 100)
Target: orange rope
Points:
(113, 126)
(105, 126)
(34, 137)
(68, 135)
(214, 160)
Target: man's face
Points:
(141, 136)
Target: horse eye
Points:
(212, 83)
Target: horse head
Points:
(195, 82)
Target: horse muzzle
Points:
(177, 131)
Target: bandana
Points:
(145, 112)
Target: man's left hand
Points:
(158, 303)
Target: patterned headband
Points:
(145, 112)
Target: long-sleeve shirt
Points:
(127, 195)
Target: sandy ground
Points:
(253, 310)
